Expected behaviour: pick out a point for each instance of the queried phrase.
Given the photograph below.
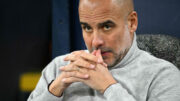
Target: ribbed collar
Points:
(130, 56)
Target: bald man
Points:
(113, 68)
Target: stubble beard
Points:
(117, 57)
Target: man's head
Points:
(108, 25)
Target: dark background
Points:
(33, 32)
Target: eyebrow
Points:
(84, 23)
(100, 24)
(105, 23)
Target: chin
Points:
(109, 62)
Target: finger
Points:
(83, 70)
(70, 57)
(69, 68)
(90, 57)
(94, 53)
(98, 54)
(83, 63)
(71, 80)
(73, 56)
(104, 64)
(76, 74)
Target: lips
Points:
(105, 53)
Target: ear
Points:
(132, 21)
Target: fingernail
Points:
(99, 60)
(62, 68)
(86, 76)
(92, 66)
(65, 58)
(63, 80)
(105, 64)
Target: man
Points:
(114, 69)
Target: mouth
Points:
(105, 53)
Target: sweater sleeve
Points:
(41, 92)
(116, 92)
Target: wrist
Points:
(107, 86)
(55, 89)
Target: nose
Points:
(97, 41)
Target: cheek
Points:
(115, 41)
(119, 41)
(117, 44)
(123, 40)
(87, 40)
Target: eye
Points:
(106, 27)
(88, 29)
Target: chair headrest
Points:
(161, 46)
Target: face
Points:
(105, 28)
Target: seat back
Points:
(161, 46)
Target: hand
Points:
(71, 71)
(99, 78)
(79, 56)
(82, 54)
(58, 86)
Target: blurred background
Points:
(33, 32)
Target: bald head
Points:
(124, 6)
(128, 3)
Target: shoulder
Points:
(157, 66)
(160, 72)
(59, 60)
(150, 60)
(53, 67)
(165, 77)
(51, 71)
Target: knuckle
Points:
(75, 73)
(72, 64)
(85, 70)
(75, 53)
(94, 58)
(68, 74)
(63, 74)
(77, 61)
(67, 80)
(79, 75)
(85, 64)
(82, 54)
(72, 74)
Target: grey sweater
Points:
(140, 77)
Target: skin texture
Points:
(114, 38)
(108, 33)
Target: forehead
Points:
(99, 9)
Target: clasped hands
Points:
(88, 68)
